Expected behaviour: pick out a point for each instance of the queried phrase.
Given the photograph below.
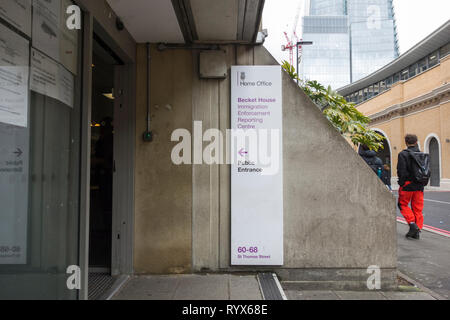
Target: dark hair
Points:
(365, 147)
(411, 139)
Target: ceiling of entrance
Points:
(149, 20)
(190, 21)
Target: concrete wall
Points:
(163, 191)
(338, 214)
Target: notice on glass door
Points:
(46, 24)
(68, 47)
(257, 168)
(17, 13)
(14, 69)
(51, 79)
(14, 178)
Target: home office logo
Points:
(242, 76)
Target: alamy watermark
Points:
(73, 22)
(256, 149)
(374, 280)
(74, 280)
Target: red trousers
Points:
(416, 199)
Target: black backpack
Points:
(421, 172)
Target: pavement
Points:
(427, 260)
(237, 288)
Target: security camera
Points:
(119, 24)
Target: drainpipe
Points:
(148, 134)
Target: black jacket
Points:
(370, 157)
(404, 170)
(386, 177)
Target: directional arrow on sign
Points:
(18, 153)
(242, 152)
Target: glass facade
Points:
(373, 36)
(328, 8)
(40, 121)
(368, 27)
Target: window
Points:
(376, 89)
(389, 83)
(396, 78)
(433, 59)
(423, 65)
(404, 74)
(39, 198)
(370, 92)
(360, 96)
(382, 86)
(413, 70)
(445, 50)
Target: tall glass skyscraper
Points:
(352, 39)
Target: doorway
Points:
(385, 153)
(435, 163)
(102, 168)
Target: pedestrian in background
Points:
(370, 157)
(387, 176)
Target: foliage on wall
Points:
(351, 123)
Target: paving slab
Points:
(311, 295)
(353, 295)
(191, 287)
(244, 288)
(148, 288)
(199, 287)
(408, 296)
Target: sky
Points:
(416, 19)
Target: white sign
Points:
(14, 69)
(51, 34)
(46, 24)
(17, 13)
(51, 79)
(257, 169)
(68, 48)
(14, 178)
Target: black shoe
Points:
(417, 235)
(413, 231)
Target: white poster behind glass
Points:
(68, 51)
(17, 13)
(46, 25)
(51, 79)
(14, 146)
(66, 84)
(44, 75)
(14, 69)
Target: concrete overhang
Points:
(191, 21)
(433, 42)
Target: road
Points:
(436, 210)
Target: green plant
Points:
(351, 123)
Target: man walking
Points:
(411, 191)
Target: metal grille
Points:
(269, 287)
(99, 283)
